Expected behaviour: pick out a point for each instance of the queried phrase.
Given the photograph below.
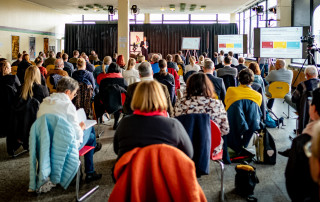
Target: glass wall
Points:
(316, 31)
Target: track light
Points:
(258, 9)
(273, 10)
(172, 7)
(135, 10)
(111, 10)
(202, 7)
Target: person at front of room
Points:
(279, 74)
(149, 123)
(60, 104)
(144, 47)
(298, 171)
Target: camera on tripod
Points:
(309, 39)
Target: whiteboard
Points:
(190, 43)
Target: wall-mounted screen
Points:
(235, 43)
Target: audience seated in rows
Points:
(218, 83)
(145, 72)
(106, 62)
(299, 183)
(227, 69)
(192, 66)
(200, 97)
(257, 74)
(24, 64)
(155, 63)
(279, 74)
(131, 75)
(171, 64)
(60, 104)
(149, 123)
(82, 75)
(167, 79)
(234, 61)
(19, 59)
(241, 65)
(244, 114)
(68, 67)
(50, 60)
(39, 61)
(89, 66)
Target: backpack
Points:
(245, 180)
(266, 152)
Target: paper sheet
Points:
(82, 117)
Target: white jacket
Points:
(131, 76)
(60, 104)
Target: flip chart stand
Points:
(192, 53)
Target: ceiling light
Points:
(192, 7)
(172, 7)
(182, 7)
(162, 8)
(202, 8)
(111, 10)
(135, 10)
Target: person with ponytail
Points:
(131, 75)
(192, 66)
(39, 62)
(106, 62)
(32, 85)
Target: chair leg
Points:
(287, 115)
(222, 180)
(100, 132)
(78, 184)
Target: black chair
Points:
(8, 94)
(303, 111)
(187, 75)
(229, 80)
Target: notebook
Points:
(82, 117)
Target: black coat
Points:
(218, 86)
(240, 67)
(22, 67)
(167, 80)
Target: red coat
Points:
(156, 173)
(176, 78)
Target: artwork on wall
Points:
(32, 47)
(135, 41)
(52, 48)
(46, 45)
(15, 45)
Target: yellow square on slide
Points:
(279, 44)
(230, 45)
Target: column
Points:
(123, 28)
(232, 17)
(147, 18)
(284, 13)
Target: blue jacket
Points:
(52, 143)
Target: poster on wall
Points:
(32, 47)
(15, 43)
(135, 40)
(46, 46)
(52, 48)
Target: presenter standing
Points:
(144, 47)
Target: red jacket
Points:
(176, 78)
(156, 173)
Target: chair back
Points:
(14, 70)
(52, 81)
(83, 98)
(215, 137)
(303, 110)
(111, 97)
(180, 71)
(96, 66)
(187, 75)
(279, 89)
(229, 80)
(50, 67)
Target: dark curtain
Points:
(162, 38)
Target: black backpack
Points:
(245, 180)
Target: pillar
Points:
(232, 17)
(284, 13)
(123, 28)
(147, 18)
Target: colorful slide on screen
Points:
(232, 43)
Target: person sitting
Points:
(200, 97)
(149, 123)
(192, 66)
(201, 61)
(244, 114)
(155, 63)
(6, 78)
(220, 63)
(241, 65)
(50, 60)
(227, 69)
(39, 62)
(82, 75)
(234, 61)
(183, 58)
(22, 67)
(93, 57)
(218, 83)
(75, 57)
(171, 64)
(215, 58)
(121, 62)
(105, 63)
(131, 75)
(89, 66)
(314, 157)
(167, 79)
(68, 67)
(57, 73)
(140, 59)
(180, 63)
(310, 84)
(257, 74)
(145, 72)
(280, 74)
(17, 62)
(297, 171)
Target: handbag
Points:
(245, 180)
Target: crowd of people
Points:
(232, 94)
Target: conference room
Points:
(160, 101)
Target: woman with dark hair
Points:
(200, 97)
(22, 67)
(120, 61)
(39, 62)
(6, 78)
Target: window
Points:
(316, 31)
(176, 17)
(272, 3)
(156, 18)
(203, 17)
(224, 18)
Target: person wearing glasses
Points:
(299, 183)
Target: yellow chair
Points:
(33, 63)
(14, 70)
(50, 67)
(180, 72)
(96, 66)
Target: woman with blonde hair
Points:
(192, 66)
(180, 63)
(32, 85)
(201, 61)
(149, 123)
(22, 67)
(131, 75)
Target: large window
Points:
(223, 18)
(316, 31)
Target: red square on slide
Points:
(222, 45)
(267, 44)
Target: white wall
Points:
(34, 19)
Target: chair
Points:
(279, 89)
(14, 70)
(180, 71)
(52, 81)
(303, 111)
(50, 67)
(157, 172)
(229, 80)
(215, 141)
(96, 66)
(82, 152)
(187, 75)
